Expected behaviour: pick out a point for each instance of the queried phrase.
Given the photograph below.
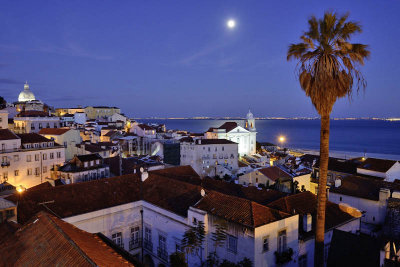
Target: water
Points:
(370, 136)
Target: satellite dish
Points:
(202, 192)
(141, 169)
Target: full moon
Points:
(231, 24)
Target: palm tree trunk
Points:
(321, 198)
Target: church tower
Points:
(250, 122)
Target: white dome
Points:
(26, 95)
(250, 116)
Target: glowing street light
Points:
(282, 139)
(20, 189)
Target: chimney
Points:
(307, 222)
(143, 174)
(202, 192)
(384, 194)
(338, 183)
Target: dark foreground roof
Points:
(306, 202)
(349, 249)
(48, 241)
(378, 165)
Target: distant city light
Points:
(231, 23)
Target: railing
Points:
(282, 257)
(162, 253)
(5, 164)
(147, 244)
(135, 243)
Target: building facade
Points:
(210, 157)
(245, 137)
(26, 159)
(34, 121)
(97, 112)
(67, 137)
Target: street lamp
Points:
(281, 139)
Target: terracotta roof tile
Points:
(239, 210)
(274, 173)
(54, 131)
(306, 202)
(6, 134)
(28, 138)
(47, 241)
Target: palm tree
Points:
(328, 69)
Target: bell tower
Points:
(250, 124)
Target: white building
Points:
(26, 159)
(67, 137)
(389, 170)
(245, 136)
(210, 157)
(81, 169)
(143, 130)
(368, 195)
(34, 121)
(149, 218)
(80, 118)
(3, 119)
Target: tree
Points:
(3, 102)
(328, 69)
(218, 237)
(193, 239)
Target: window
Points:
(85, 164)
(44, 156)
(117, 239)
(5, 176)
(36, 157)
(282, 241)
(51, 155)
(4, 159)
(194, 221)
(303, 260)
(28, 158)
(135, 237)
(178, 246)
(91, 163)
(340, 198)
(3, 146)
(97, 161)
(265, 244)
(232, 244)
(44, 169)
(147, 234)
(37, 171)
(65, 144)
(16, 158)
(58, 155)
(223, 149)
(29, 171)
(16, 173)
(162, 242)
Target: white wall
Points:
(3, 119)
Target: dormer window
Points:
(85, 164)
(97, 161)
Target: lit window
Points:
(282, 241)
(16, 172)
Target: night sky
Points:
(178, 58)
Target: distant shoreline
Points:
(267, 118)
(347, 154)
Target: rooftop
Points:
(28, 138)
(214, 142)
(47, 240)
(274, 173)
(378, 165)
(54, 131)
(6, 134)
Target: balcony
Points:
(162, 253)
(135, 243)
(284, 256)
(5, 164)
(147, 244)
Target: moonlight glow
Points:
(231, 24)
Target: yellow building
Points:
(62, 111)
(100, 112)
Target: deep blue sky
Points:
(177, 58)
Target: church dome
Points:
(26, 95)
(249, 116)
